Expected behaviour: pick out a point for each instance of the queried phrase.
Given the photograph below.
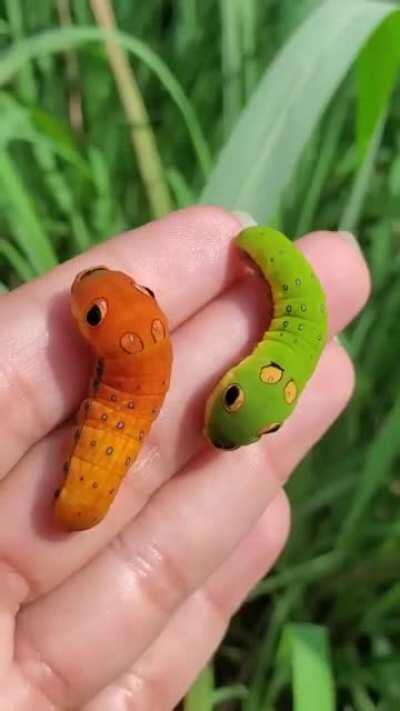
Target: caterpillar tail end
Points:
(72, 516)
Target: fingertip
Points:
(343, 272)
(274, 524)
(212, 218)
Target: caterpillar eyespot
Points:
(233, 398)
(128, 333)
(257, 395)
(96, 313)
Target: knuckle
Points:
(157, 573)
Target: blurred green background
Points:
(287, 109)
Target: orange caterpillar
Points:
(129, 334)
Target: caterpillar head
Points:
(115, 314)
(251, 400)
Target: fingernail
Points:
(341, 340)
(349, 237)
(244, 218)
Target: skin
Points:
(69, 638)
(128, 332)
(258, 394)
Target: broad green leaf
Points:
(259, 159)
(377, 68)
(305, 650)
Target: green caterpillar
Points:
(256, 396)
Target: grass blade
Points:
(305, 648)
(200, 696)
(327, 154)
(231, 62)
(21, 215)
(258, 161)
(353, 209)
(53, 41)
(142, 136)
(20, 266)
(380, 458)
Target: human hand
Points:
(125, 615)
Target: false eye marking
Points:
(157, 330)
(233, 398)
(131, 343)
(96, 313)
(271, 373)
(290, 392)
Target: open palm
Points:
(125, 615)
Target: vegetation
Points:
(89, 146)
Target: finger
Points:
(184, 533)
(162, 675)
(204, 347)
(45, 367)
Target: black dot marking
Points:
(127, 461)
(303, 307)
(113, 398)
(141, 435)
(297, 282)
(93, 443)
(94, 485)
(301, 327)
(320, 337)
(120, 425)
(131, 404)
(104, 417)
(66, 467)
(288, 309)
(154, 411)
(94, 316)
(81, 478)
(57, 493)
(96, 383)
(77, 435)
(231, 395)
(109, 450)
(285, 324)
(111, 491)
(285, 287)
(271, 259)
(233, 398)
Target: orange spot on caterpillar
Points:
(131, 343)
(290, 392)
(157, 330)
